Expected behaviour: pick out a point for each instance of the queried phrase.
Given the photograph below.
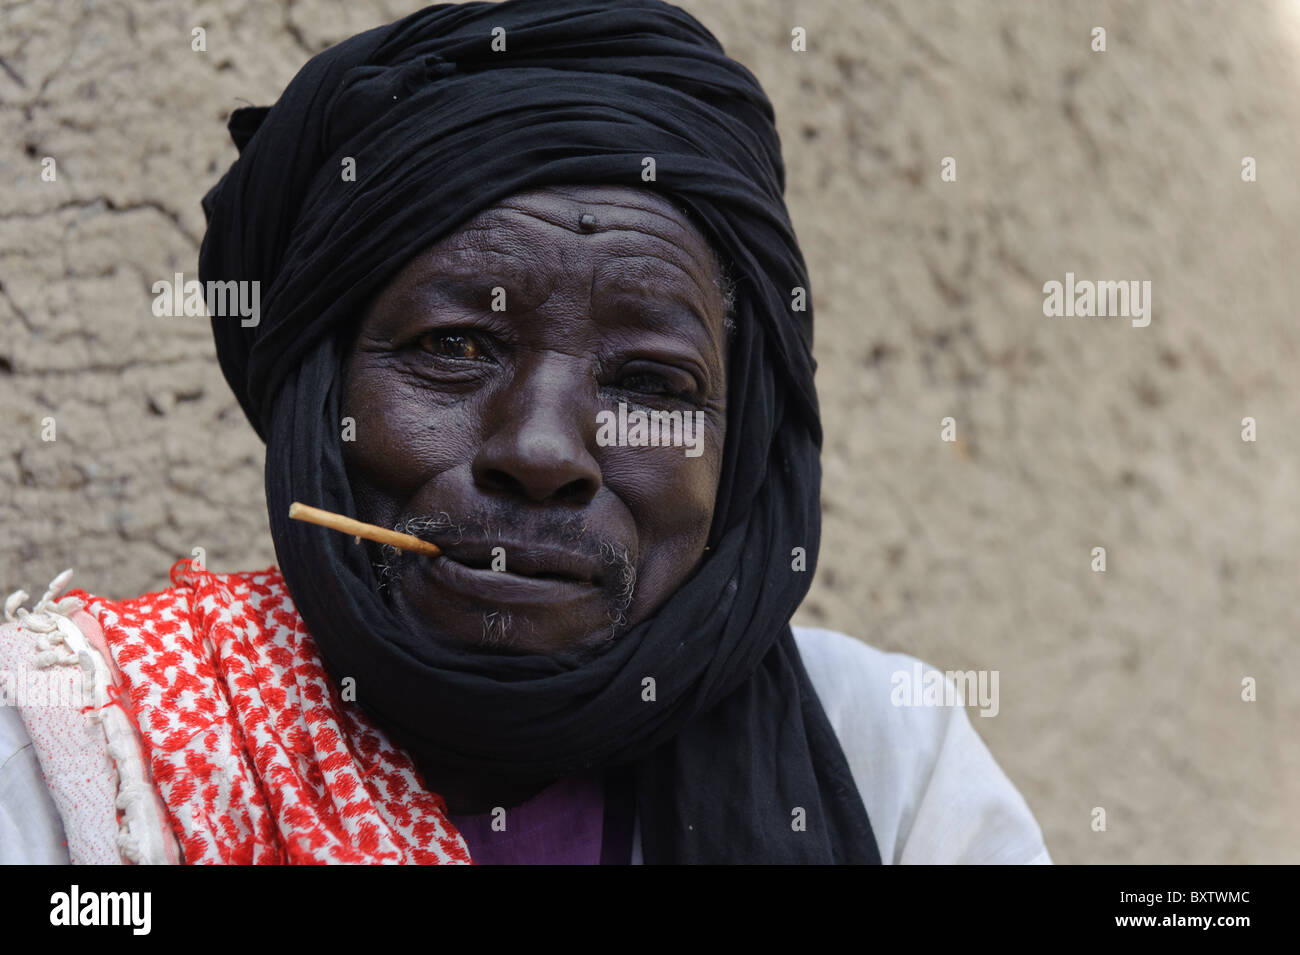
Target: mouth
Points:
(558, 589)
(529, 561)
(512, 574)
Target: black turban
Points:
(441, 126)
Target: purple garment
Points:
(562, 825)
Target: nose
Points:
(539, 446)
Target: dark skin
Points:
(487, 421)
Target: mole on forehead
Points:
(605, 195)
(569, 212)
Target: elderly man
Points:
(483, 234)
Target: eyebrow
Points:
(468, 274)
(657, 302)
(653, 288)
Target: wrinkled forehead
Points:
(591, 208)
(639, 236)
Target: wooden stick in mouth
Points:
(380, 535)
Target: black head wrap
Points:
(441, 127)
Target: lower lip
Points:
(500, 586)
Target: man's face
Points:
(477, 427)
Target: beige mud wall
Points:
(1120, 690)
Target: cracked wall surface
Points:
(1119, 690)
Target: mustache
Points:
(482, 526)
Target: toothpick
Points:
(359, 529)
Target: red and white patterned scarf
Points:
(257, 757)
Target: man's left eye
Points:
(647, 383)
(453, 345)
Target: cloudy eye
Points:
(650, 384)
(653, 381)
(455, 345)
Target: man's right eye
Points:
(454, 345)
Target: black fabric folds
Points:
(441, 126)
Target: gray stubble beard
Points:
(501, 630)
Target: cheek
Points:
(403, 436)
(671, 498)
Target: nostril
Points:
(498, 481)
(494, 479)
(577, 491)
